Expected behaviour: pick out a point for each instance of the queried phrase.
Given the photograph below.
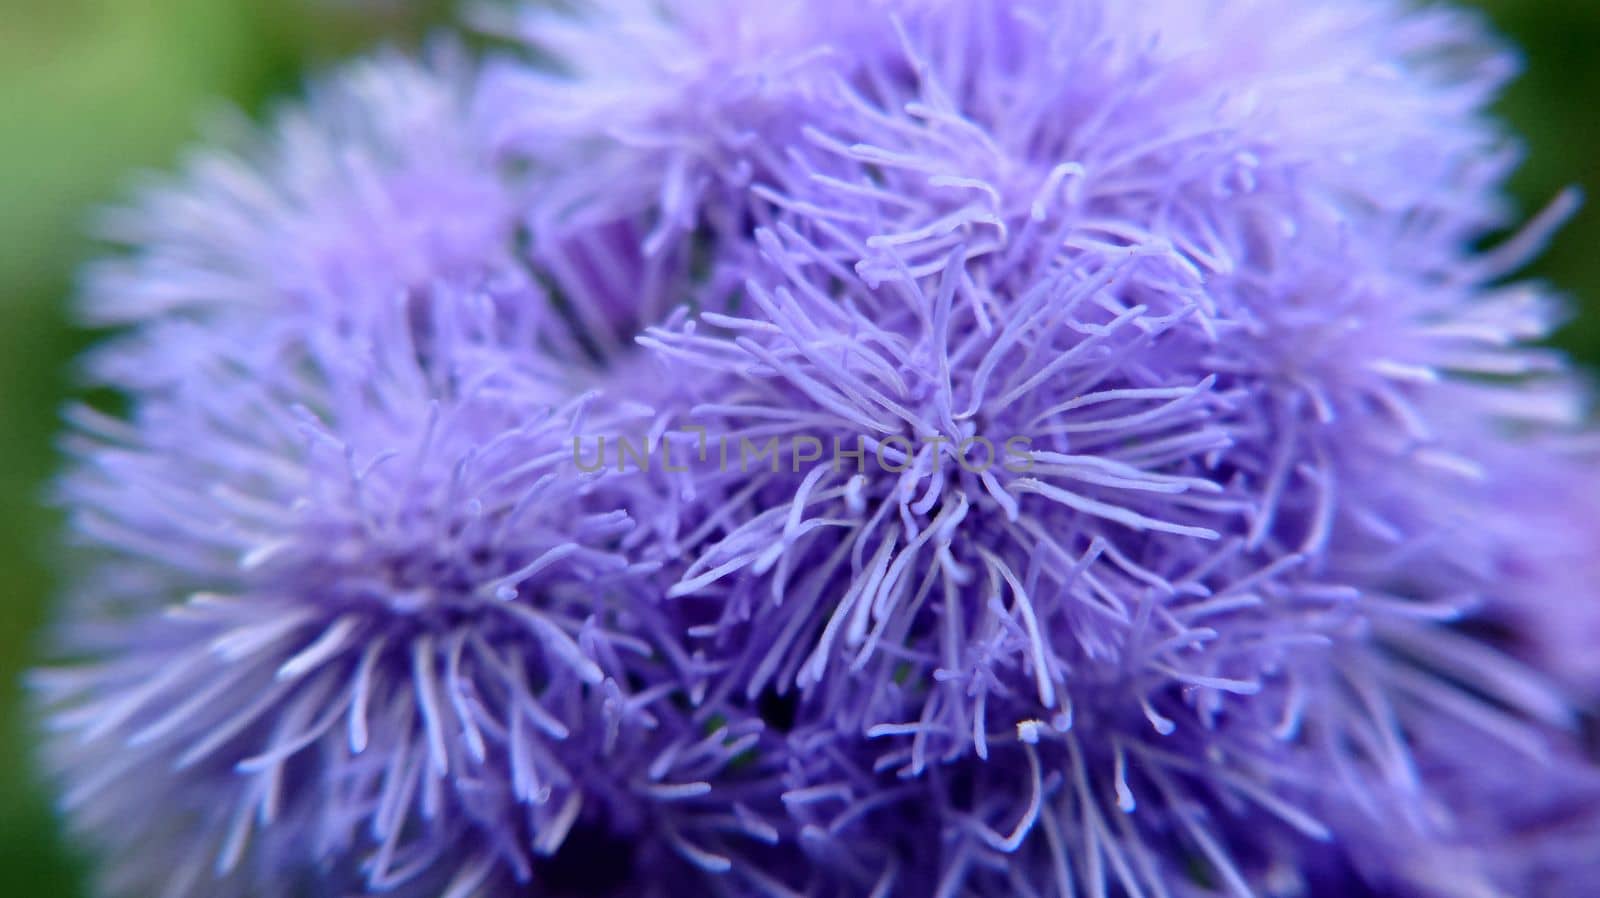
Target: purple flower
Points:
(353, 625)
(1228, 332)
(900, 447)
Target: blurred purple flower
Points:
(352, 622)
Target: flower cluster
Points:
(1203, 523)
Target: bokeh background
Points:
(94, 91)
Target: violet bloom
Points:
(1221, 281)
(352, 625)
(1080, 417)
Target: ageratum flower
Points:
(1042, 450)
(1217, 271)
(353, 626)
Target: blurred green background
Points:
(92, 91)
